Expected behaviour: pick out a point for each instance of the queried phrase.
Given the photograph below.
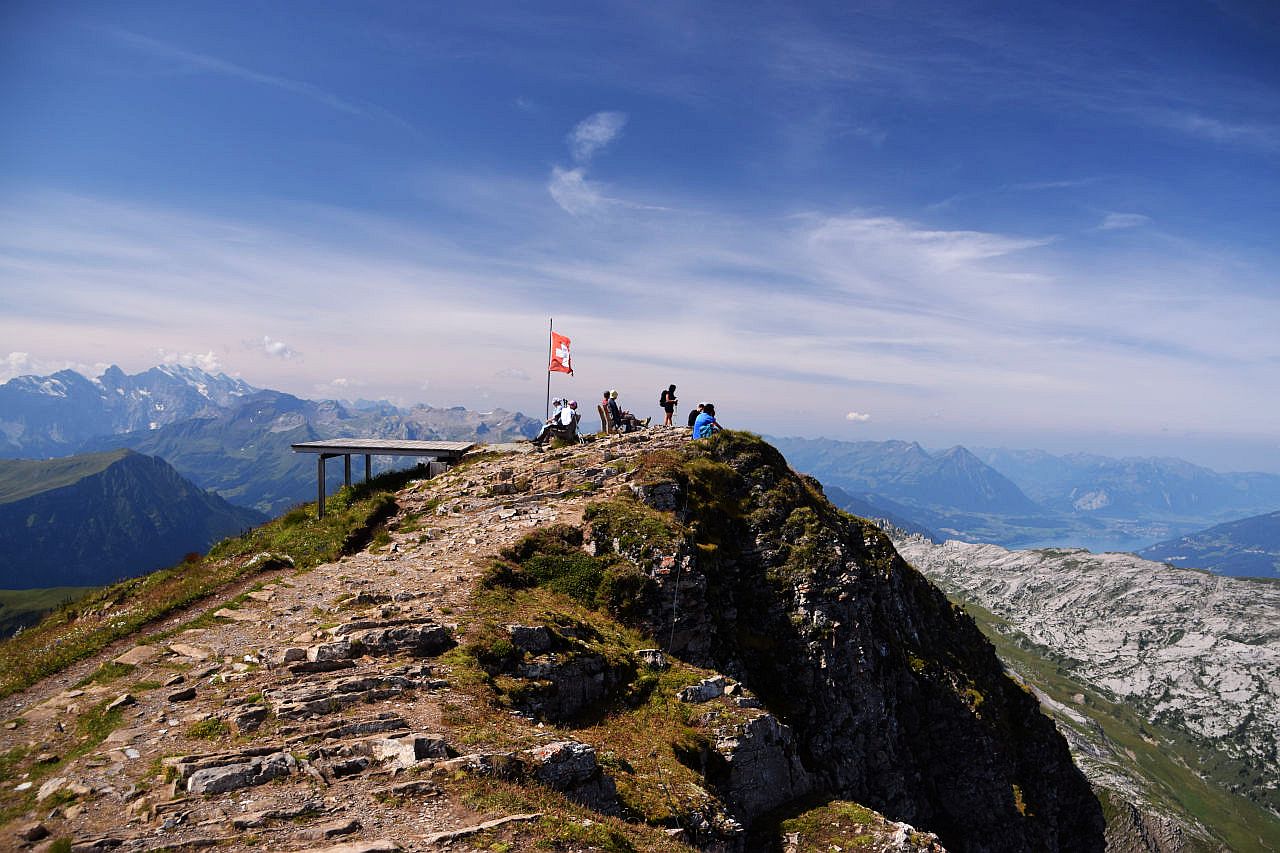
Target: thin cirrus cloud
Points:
(919, 315)
(857, 417)
(905, 58)
(193, 61)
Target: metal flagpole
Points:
(551, 325)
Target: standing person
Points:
(693, 414)
(668, 403)
(706, 424)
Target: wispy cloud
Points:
(593, 133)
(947, 55)
(940, 249)
(1215, 129)
(734, 307)
(573, 192)
(195, 62)
(569, 187)
(1119, 221)
(857, 417)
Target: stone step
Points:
(313, 698)
(231, 777)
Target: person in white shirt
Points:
(564, 424)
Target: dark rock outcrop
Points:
(893, 696)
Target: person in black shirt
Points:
(668, 402)
(625, 421)
(693, 414)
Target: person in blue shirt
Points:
(706, 424)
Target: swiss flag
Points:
(560, 359)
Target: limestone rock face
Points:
(1189, 649)
(894, 698)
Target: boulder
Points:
(249, 719)
(51, 787)
(120, 701)
(31, 831)
(233, 776)
(570, 767)
(762, 768)
(138, 655)
(218, 780)
(704, 691)
(381, 845)
(340, 650)
(408, 751)
(424, 639)
(332, 830)
(534, 639)
(289, 654)
(268, 560)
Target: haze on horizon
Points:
(1050, 225)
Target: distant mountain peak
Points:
(53, 415)
(86, 520)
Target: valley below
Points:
(1166, 681)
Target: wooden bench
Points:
(606, 425)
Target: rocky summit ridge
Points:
(641, 643)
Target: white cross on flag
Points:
(560, 359)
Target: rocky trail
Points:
(307, 712)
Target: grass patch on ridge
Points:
(79, 629)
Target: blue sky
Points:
(1039, 224)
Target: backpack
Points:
(662, 398)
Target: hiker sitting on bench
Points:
(623, 421)
(557, 406)
(565, 425)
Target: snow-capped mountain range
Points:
(45, 416)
